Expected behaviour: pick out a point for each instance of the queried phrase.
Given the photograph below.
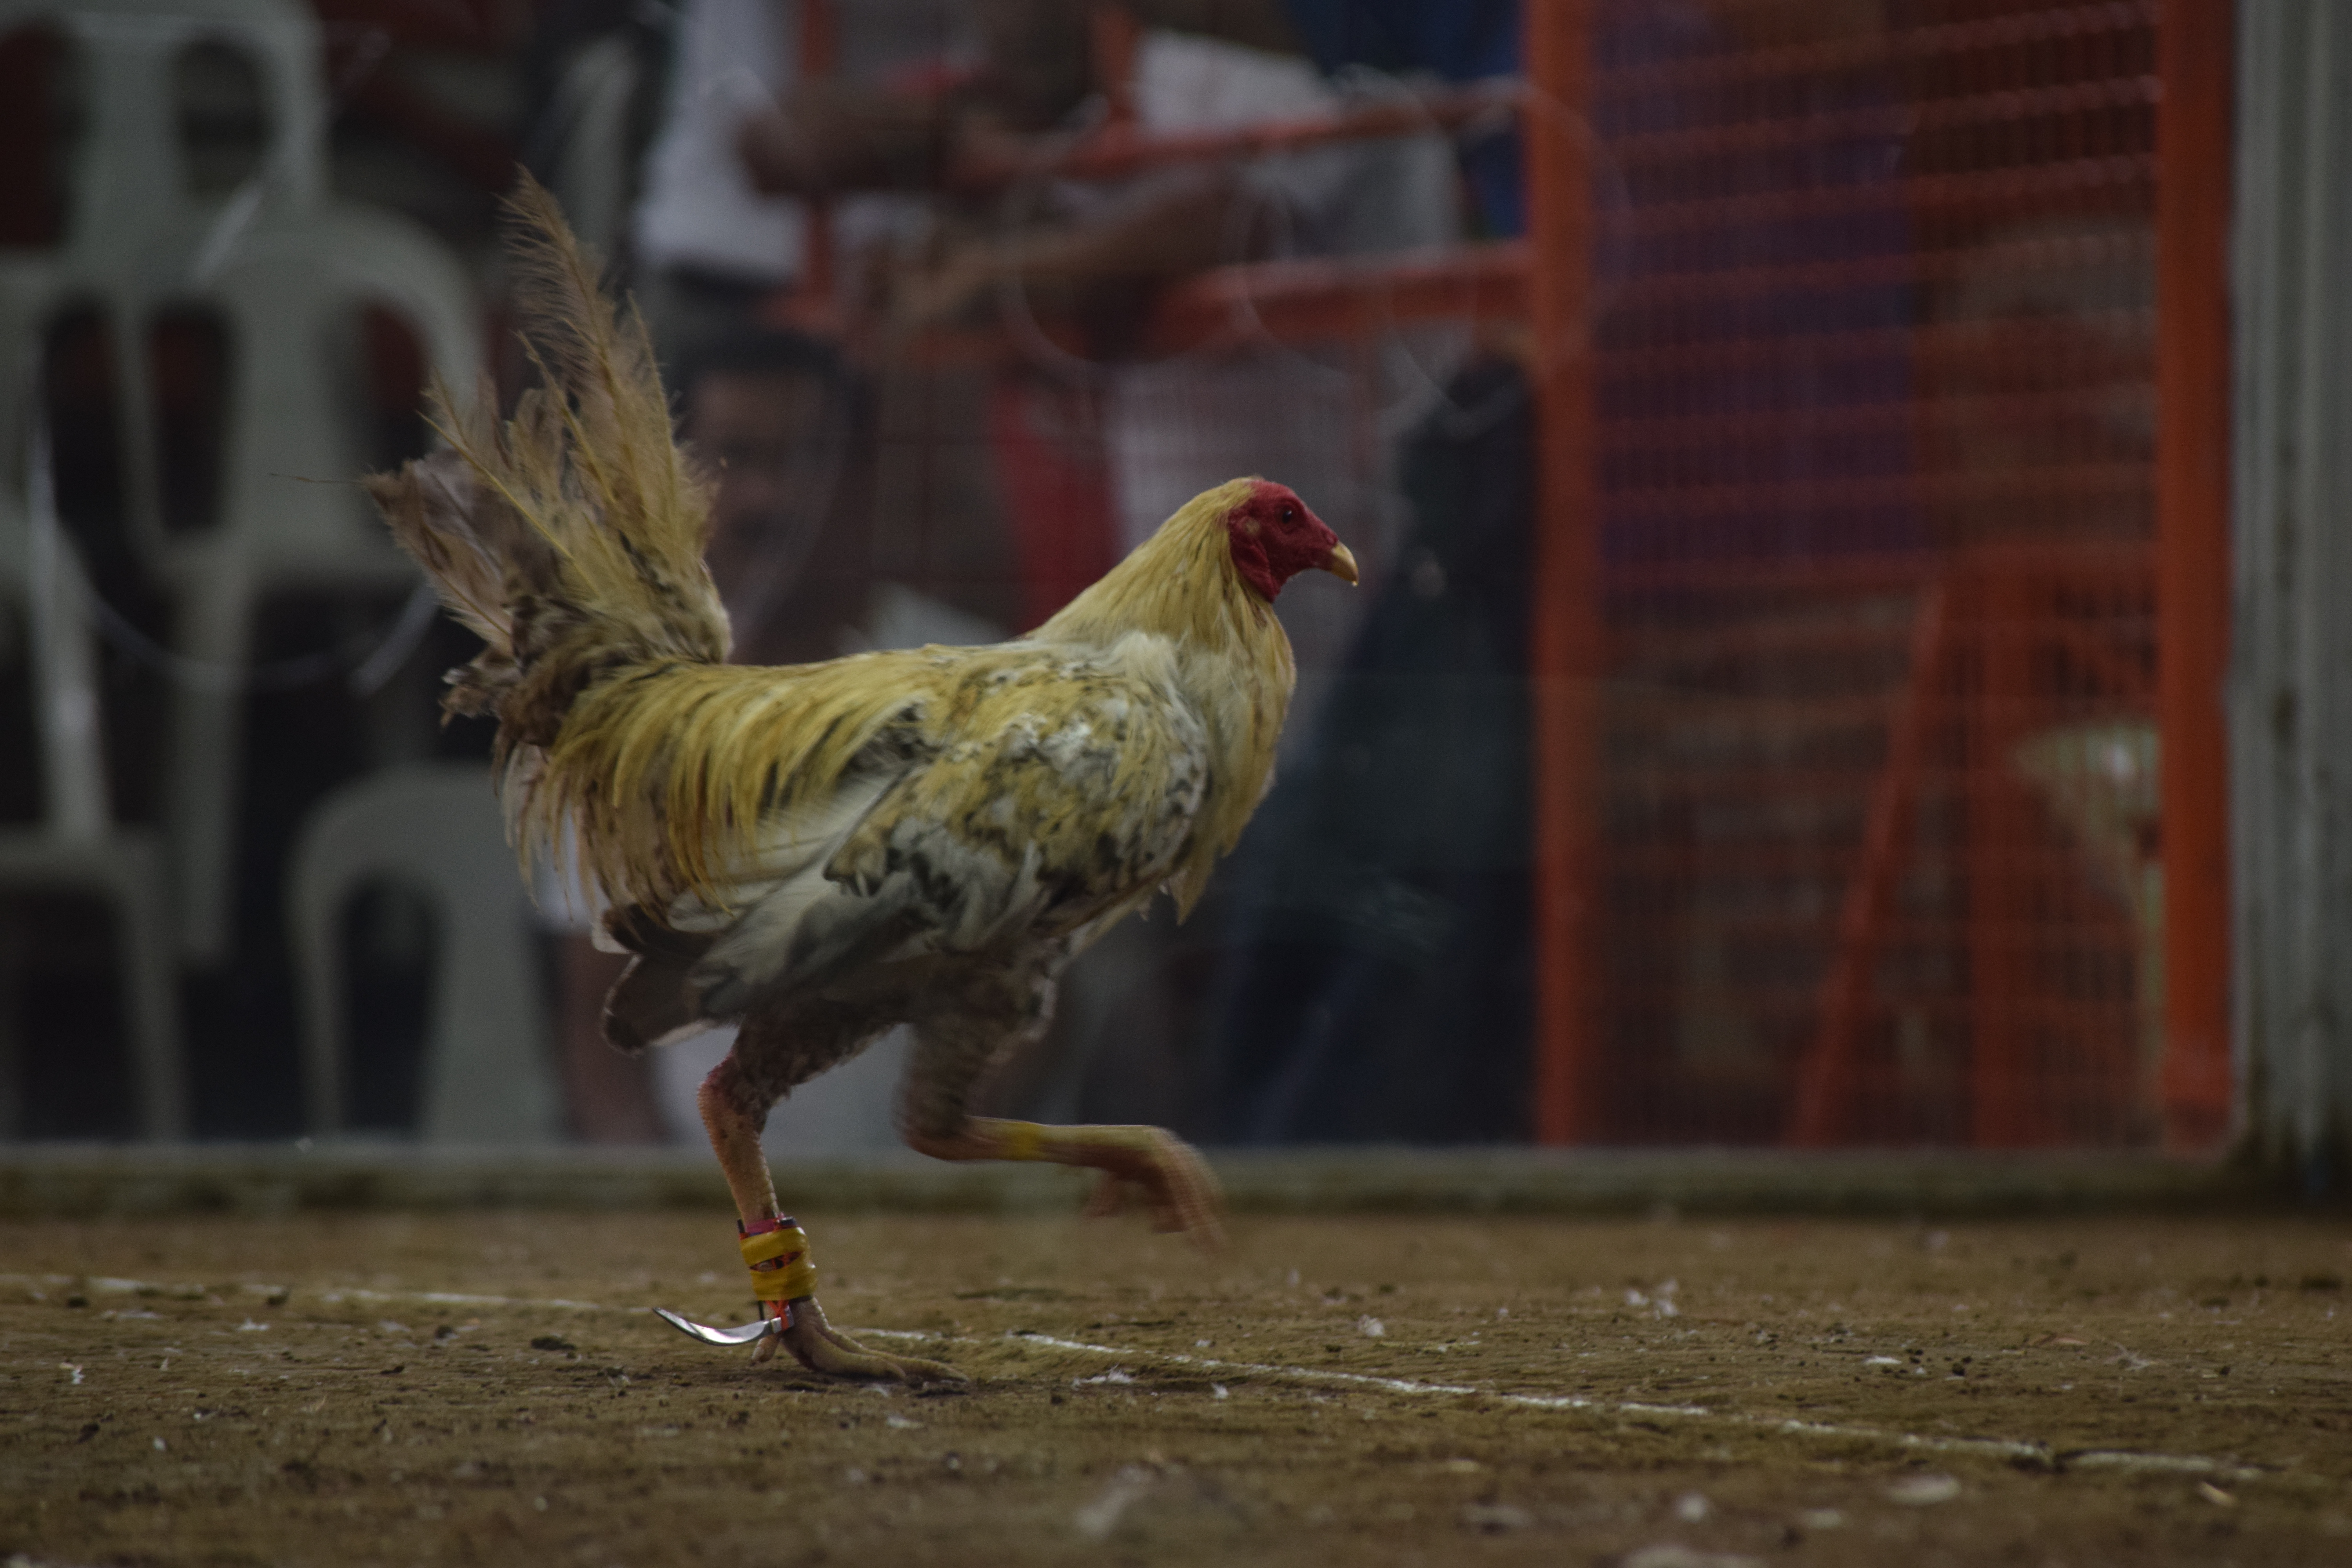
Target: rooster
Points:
(822, 852)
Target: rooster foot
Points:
(1162, 1173)
(825, 1349)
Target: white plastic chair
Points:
(130, 179)
(279, 292)
(278, 260)
(435, 828)
(593, 168)
(75, 845)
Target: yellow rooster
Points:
(820, 852)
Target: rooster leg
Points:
(1174, 1183)
(728, 1103)
(1001, 1012)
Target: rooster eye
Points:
(1290, 514)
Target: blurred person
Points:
(594, 85)
(629, 117)
(802, 559)
(1387, 901)
(1101, 250)
(747, 138)
(1019, 68)
(1385, 904)
(768, 414)
(722, 256)
(1452, 40)
(1090, 470)
(709, 247)
(1094, 254)
(717, 235)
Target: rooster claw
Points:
(1170, 1182)
(823, 1350)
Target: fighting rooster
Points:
(818, 853)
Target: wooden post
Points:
(2193, 57)
(1566, 647)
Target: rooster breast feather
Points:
(1036, 790)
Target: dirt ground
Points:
(1668, 1393)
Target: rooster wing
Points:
(1038, 791)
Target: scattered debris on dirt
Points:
(1507, 1391)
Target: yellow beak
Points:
(1342, 564)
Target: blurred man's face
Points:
(765, 435)
(772, 440)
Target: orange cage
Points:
(1879, 573)
(1863, 534)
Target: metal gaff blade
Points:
(743, 1335)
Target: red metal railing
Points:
(1117, 149)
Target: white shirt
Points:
(1316, 416)
(699, 209)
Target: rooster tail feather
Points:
(462, 534)
(570, 536)
(631, 517)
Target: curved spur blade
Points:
(711, 1336)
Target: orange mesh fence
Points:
(1843, 329)
(1878, 848)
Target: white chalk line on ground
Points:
(333, 1297)
(1982, 1448)
(1987, 1447)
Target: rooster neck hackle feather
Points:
(1234, 660)
(572, 537)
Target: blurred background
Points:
(1751, 728)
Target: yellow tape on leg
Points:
(1020, 1140)
(779, 1266)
